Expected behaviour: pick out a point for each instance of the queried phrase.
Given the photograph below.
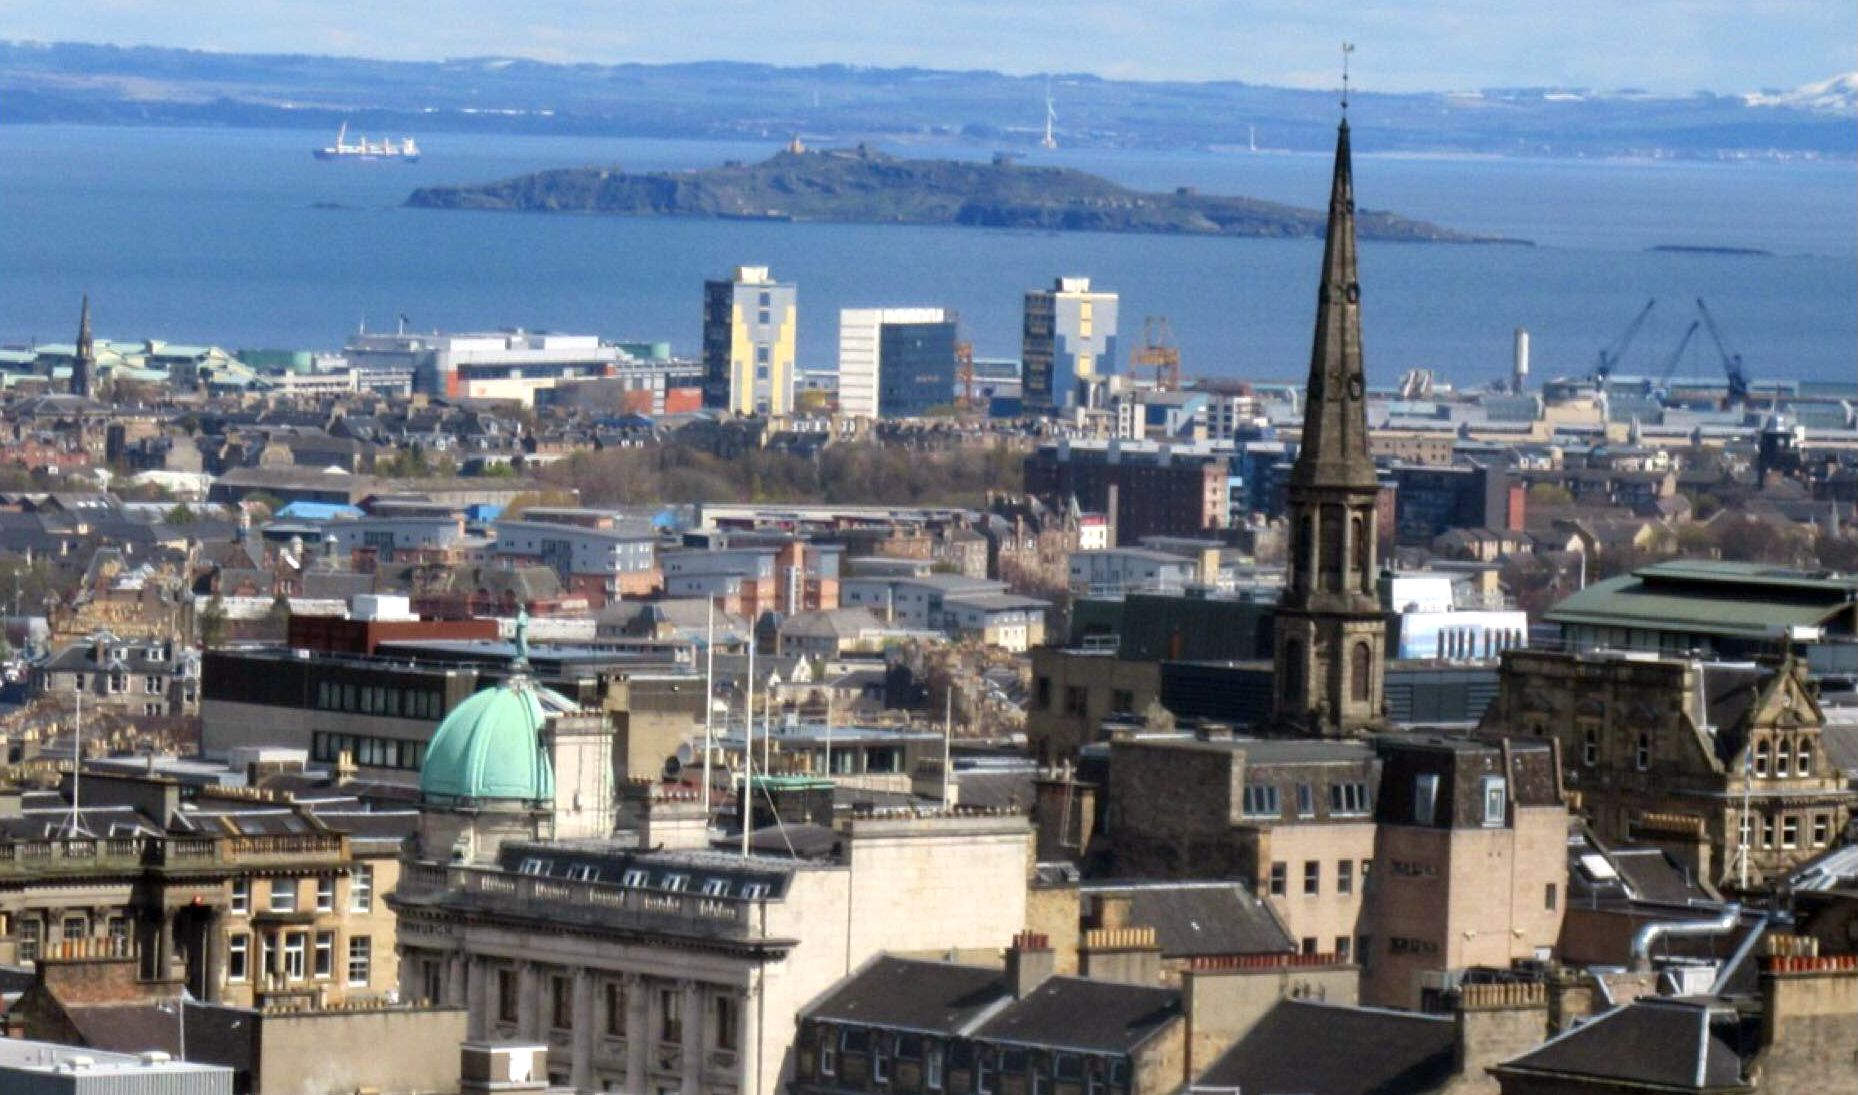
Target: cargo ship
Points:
(403, 150)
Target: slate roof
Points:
(909, 994)
(1201, 918)
(1087, 1016)
(1660, 1044)
(1321, 1049)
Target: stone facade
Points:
(1702, 760)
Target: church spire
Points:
(1335, 413)
(1331, 632)
(84, 361)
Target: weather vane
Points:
(1347, 48)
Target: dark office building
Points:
(916, 368)
(1158, 491)
(1434, 499)
(1240, 693)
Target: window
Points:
(1425, 798)
(238, 956)
(1075, 700)
(1341, 947)
(31, 931)
(984, 1072)
(1360, 673)
(1280, 879)
(533, 865)
(1348, 799)
(1364, 950)
(754, 891)
(241, 896)
(325, 893)
(880, 1057)
(583, 872)
(74, 927)
(1496, 800)
(670, 1015)
(283, 895)
(932, 1067)
(1822, 830)
(828, 1052)
(1804, 758)
(152, 685)
(361, 889)
(1642, 756)
(715, 887)
(1790, 831)
(1783, 760)
(1307, 944)
(1043, 690)
(1761, 757)
(118, 931)
(1312, 877)
(509, 994)
(1122, 699)
(615, 992)
(1767, 832)
(1345, 876)
(676, 882)
(324, 964)
(728, 1022)
(1590, 746)
(360, 959)
(1260, 800)
(1306, 800)
(560, 1003)
(295, 944)
(633, 879)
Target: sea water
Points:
(240, 238)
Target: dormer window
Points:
(533, 865)
(716, 887)
(583, 872)
(1496, 800)
(676, 882)
(633, 879)
(754, 891)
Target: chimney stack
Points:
(1030, 961)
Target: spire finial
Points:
(522, 639)
(1347, 48)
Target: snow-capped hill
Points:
(1839, 95)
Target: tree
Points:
(1550, 494)
(213, 623)
(179, 514)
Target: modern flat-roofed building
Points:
(750, 323)
(511, 364)
(895, 362)
(47, 1068)
(601, 564)
(1068, 345)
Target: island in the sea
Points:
(865, 186)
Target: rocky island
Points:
(862, 185)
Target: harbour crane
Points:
(1611, 354)
(1160, 353)
(1677, 355)
(1732, 362)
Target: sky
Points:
(1667, 46)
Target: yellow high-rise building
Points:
(749, 328)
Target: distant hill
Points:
(865, 186)
(70, 82)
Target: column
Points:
(581, 1074)
(477, 1004)
(639, 1035)
(693, 1036)
(748, 1053)
(456, 988)
(529, 1002)
(212, 957)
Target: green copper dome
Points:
(490, 748)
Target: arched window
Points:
(1642, 756)
(1364, 553)
(1805, 759)
(1360, 671)
(1293, 669)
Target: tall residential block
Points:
(895, 362)
(1068, 345)
(749, 326)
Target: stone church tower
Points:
(1331, 630)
